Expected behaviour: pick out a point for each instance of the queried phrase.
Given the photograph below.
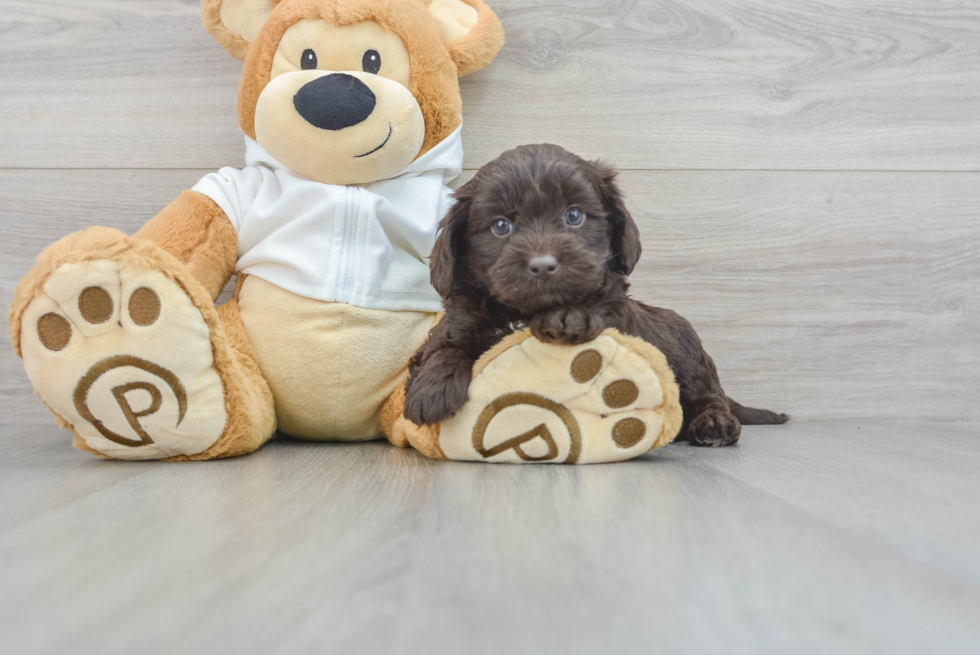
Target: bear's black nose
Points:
(334, 101)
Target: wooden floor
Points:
(819, 537)
(806, 176)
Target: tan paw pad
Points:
(126, 359)
(604, 401)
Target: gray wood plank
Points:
(660, 555)
(224, 551)
(825, 295)
(909, 484)
(719, 84)
(365, 548)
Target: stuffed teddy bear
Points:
(352, 115)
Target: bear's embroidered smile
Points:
(352, 92)
(340, 90)
(388, 138)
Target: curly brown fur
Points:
(490, 286)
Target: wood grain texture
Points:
(843, 537)
(825, 295)
(719, 84)
(822, 294)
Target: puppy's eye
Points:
(309, 60)
(502, 227)
(371, 62)
(574, 217)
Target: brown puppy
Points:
(541, 238)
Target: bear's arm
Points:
(197, 232)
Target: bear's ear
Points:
(234, 24)
(473, 34)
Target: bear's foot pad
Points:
(123, 355)
(608, 400)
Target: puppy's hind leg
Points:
(711, 421)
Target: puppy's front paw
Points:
(567, 325)
(435, 396)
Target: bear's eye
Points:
(574, 217)
(502, 227)
(309, 60)
(371, 62)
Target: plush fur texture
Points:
(331, 378)
(235, 44)
(403, 433)
(194, 245)
(495, 417)
(435, 65)
(248, 400)
(478, 48)
(194, 230)
(489, 286)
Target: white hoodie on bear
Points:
(366, 245)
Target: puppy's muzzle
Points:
(335, 101)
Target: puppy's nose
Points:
(334, 101)
(543, 266)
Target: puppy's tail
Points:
(753, 416)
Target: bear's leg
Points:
(608, 400)
(403, 433)
(124, 344)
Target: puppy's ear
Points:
(234, 24)
(447, 267)
(626, 246)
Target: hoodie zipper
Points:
(352, 209)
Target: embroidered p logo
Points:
(517, 408)
(119, 392)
